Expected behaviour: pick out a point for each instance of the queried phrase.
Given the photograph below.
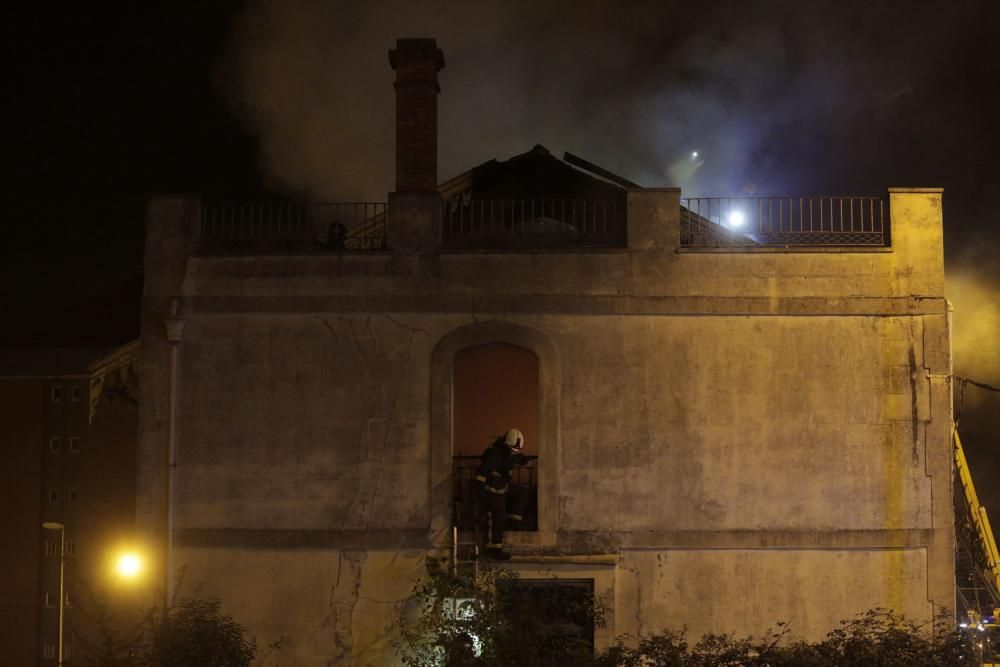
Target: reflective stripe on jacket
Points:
(495, 466)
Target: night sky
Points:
(245, 100)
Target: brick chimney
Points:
(416, 62)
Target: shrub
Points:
(457, 621)
(876, 638)
(196, 633)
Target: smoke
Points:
(758, 92)
(975, 294)
(976, 334)
(783, 97)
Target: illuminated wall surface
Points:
(725, 439)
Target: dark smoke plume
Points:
(636, 87)
(777, 97)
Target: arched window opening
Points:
(495, 389)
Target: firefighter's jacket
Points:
(495, 467)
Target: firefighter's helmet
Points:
(514, 439)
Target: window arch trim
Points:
(442, 415)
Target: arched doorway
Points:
(495, 388)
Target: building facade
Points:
(64, 461)
(740, 409)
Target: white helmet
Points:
(514, 439)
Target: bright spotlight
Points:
(736, 218)
(128, 565)
(694, 155)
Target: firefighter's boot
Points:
(497, 552)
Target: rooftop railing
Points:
(547, 224)
(716, 222)
(532, 223)
(291, 226)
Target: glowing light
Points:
(694, 155)
(736, 218)
(128, 565)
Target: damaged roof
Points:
(536, 174)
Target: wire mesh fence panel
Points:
(783, 221)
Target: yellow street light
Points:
(128, 565)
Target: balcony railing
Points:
(293, 227)
(713, 222)
(465, 492)
(485, 224)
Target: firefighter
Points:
(498, 496)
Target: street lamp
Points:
(55, 525)
(128, 565)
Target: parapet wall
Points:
(758, 279)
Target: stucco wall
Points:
(704, 423)
(750, 437)
(750, 591)
(326, 607)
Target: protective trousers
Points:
(505, 508)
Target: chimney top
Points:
(416, 50)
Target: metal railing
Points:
(465, 492)
(291, 226)
(464, 467)
(532, 223)
(783, 221)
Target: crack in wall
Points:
(329, 328)
(390, 417)
(365, 426)
(406, 328)
(342, 601)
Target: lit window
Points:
(51, 548)
(75, 394)
(69, 603)
(53, 496)
(55, 444)
(70, 548)
(74, 445)
(49, 600)
(49, 651)
(73, 495)
(56, 393)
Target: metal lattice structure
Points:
(977, 563)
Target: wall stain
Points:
(914, 419)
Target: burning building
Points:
(737, 411)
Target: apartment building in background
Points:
(68, 457)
